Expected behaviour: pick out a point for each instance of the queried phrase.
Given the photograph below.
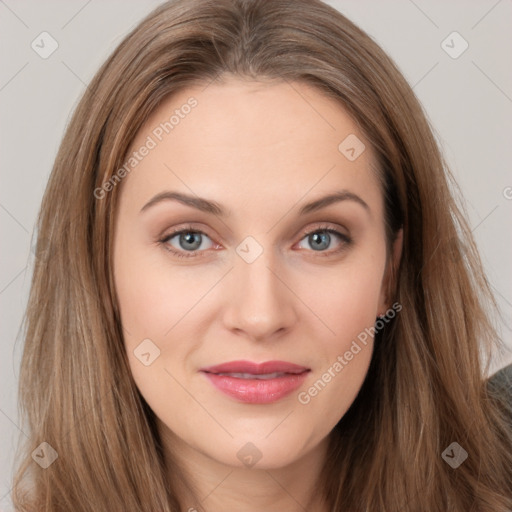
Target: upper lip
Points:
(256, 368)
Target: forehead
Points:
(242, 140)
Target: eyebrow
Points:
(209, 206)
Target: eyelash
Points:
(346, 241)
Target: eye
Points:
(186, 240)
(189, 243)
(320, 239)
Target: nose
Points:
(259, 302)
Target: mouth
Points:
(263, 376)
(255, 383)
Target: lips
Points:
(254, 383)
(254, 369)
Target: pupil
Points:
(189, 239)
(317, 237)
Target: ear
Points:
(389, 280)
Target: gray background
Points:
(468, 100)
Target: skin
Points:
(261, 150)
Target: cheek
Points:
(151, 303)
(345, 300)
(153, 299)
(161, 305)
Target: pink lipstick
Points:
(255, 383)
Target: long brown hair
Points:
(425, 388)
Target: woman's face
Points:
(251, 162)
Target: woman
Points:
(258, 292)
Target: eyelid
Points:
(323, 226)
(346, 239)
(187, 228)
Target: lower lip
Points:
(257, 391)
